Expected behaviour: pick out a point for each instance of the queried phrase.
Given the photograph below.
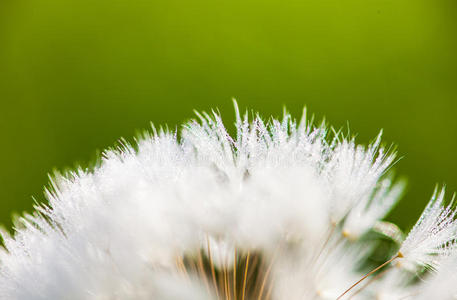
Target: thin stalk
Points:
(327, 240)
(245, 276)
(267, 273)
(213, 271)
(202, 270)
(374, 278)
(234, 275)
(368, 274)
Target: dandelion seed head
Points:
(281, 210)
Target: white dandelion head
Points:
(282, 210)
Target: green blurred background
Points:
(75, 75)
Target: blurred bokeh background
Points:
(76, 75)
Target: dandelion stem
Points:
(213, 272)
(182, 267)
(374, 278)
(226, 284)
(267, 273)
(245, 275)
(264, 281)
(234, 275)
(327, 240)
(202, 270)
(368, 274)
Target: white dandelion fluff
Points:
(283, 210)
(441, 285)
(433, 237)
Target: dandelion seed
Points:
(433, 237)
